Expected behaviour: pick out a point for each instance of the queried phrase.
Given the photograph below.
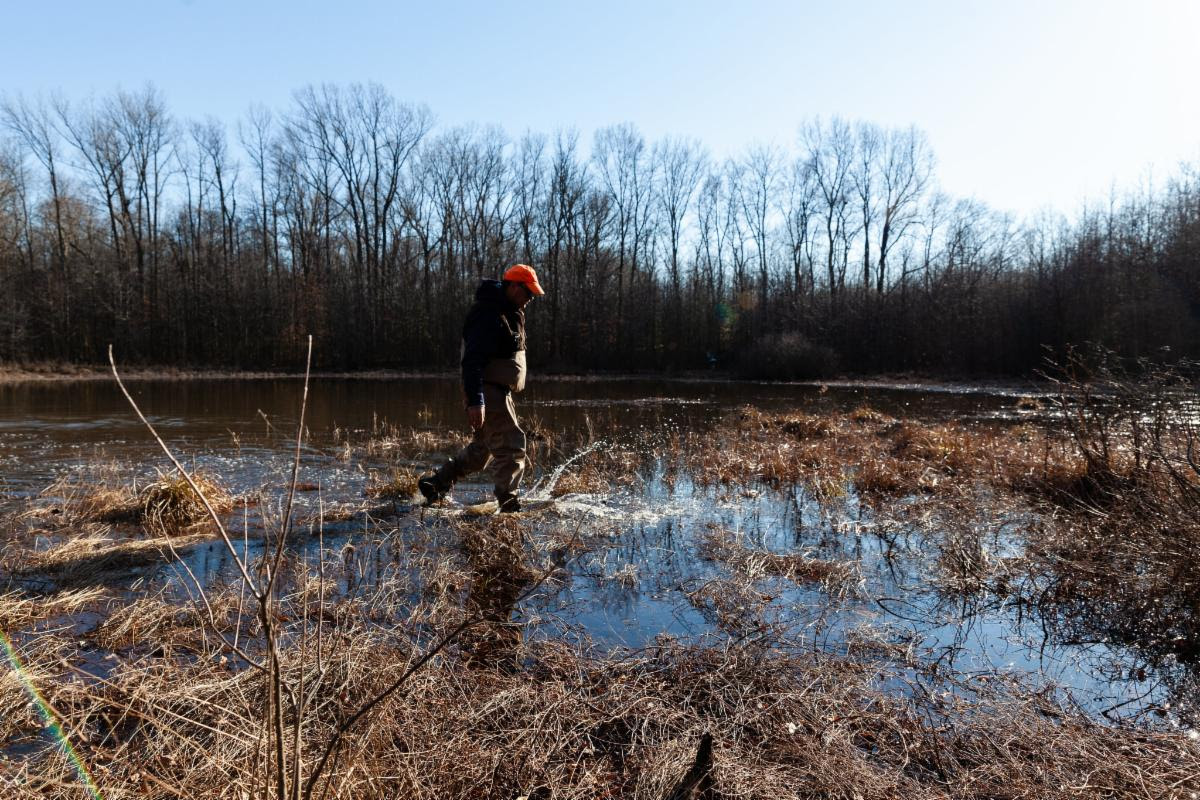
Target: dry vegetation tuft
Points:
(171, 502)
(94, 555)
(399, 483)
(386, 440)
(605, 469)
(731, 549)
(106, 494)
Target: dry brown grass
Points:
(880, 456)
(109, 504)
(171, 502)
(569, 724)
(805, 426)
(105, 494)
(592, 475)
(399, 483)
(603, 470)
(153, 622)
(725, 546)
(866, 414)
(92, 555)
(884, 476)
(498, 714)
(400, 442)
(22, 609)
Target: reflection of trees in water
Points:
(1124, 607)
(1140, 594)
(1163, 642)
(1150, 606)
(1121, 566)
(1107, 598)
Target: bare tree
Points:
(366, 138)
(864, 177)
(529, 189)
(16, 230)
(831, 152)
(563, 205)
(422, 221)
(620, 158)
(756, 196)
(736, 240)
(33, 125)
(799, 209)
(221, 178)
(17, 258)
(679, 165)
(123, 144)
(708, 261)
(905, 177)
(256, 137)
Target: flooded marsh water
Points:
(652, 552)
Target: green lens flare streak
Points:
(50, 718)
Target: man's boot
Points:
(508, 503)
(436, 486)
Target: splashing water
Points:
(540, 492)
(50, 719)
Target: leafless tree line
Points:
(352, 217)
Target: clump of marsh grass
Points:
(172, 502)
(22, 609)
(966, 564)
(398, 484)
(386, 440)
(805, 426)
(865, 415)
(110, 504)
(884, 476)
(106, 494)
(1030, 404)
(97, 492)
(948, 447)
(90, 555)
(717, 544)
(603, 469)
(879, 456)
(154, 621)
(593, 474)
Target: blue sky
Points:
(1027, 104)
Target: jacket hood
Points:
(492, 292)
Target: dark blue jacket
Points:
(494, 332)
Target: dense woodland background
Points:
(351, 216)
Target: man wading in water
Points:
(493, 368)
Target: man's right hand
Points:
(475, 415)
